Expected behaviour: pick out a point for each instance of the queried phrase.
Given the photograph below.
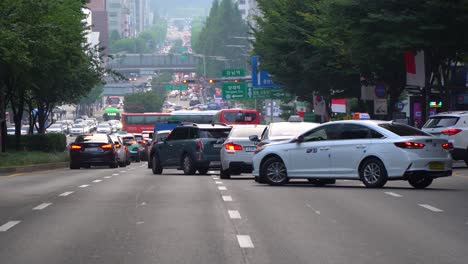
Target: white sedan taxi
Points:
(371, 151)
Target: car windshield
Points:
(78, 126)
(289, 129)
(441, 121)
(56, 126)
(214, 133)
(96, 138)
(103, 126)
(403, 130)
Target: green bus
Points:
(111, 113)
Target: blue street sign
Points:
(260, 78)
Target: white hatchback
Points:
(237, 151)
(367, 150)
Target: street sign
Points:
(234, 91)
(266, 93)
(260, 78)
(233, 73)
(171, 87)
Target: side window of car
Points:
(193, 133)
(178, 134)
(315, 135)
(353, 131)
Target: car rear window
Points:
(96, 138)
(441, 121)
(403, 130)
(214, 133)
(242, 132)
(239, 116)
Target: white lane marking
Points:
(65, 193)
(211, 172)
(41, 206)
(115, 174)
(233, 214)
(139, 223)
(317, 212)
(215, 178)
(222, 188)
(97, 181)
(227, 198)
(218, 182)
(143, 204)
(393, 194)
(8, 225)
(123, 171)
(83, 186)
(245, 241)
(430, 207)
(107, 177)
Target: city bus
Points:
(236, 116)
(111, 113)
(113, 101)
(139, 122)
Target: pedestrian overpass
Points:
(150, 63)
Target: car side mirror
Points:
(254, 138)
(299, 139)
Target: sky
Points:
(178, 7)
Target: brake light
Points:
(200, 145)
(451, 131)
(106, 146)
(143, 142)
(133, 143)
(75, 147)
(232, 146)
(448, 145)
(117, 145)
(409, 145)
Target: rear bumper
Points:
(104, 159)
(241, 166)
(419, 173)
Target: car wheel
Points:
(122, 164)
(322, 182)
(137, 159)
(274, 172)
(225, 174)
(188, 165)
(420, 182)
(74, 166)
(114, 165)
(149, 164)
(203, 171)
(373, 173)
(156, 165)
(87, 166)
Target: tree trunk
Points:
(18, 108)
(2, 120)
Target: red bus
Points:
(238, 116)
(113, 101)
(139, 122)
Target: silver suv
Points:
(452, 126)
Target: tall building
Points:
(119, 17)
(99, 22)
(248, 9)
(139, 15)
(243, 8)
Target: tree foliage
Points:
(223, 27)
(146, 42)
(143, 102)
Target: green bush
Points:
(43, 142)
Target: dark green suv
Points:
(190, 148)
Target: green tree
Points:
(143, 102)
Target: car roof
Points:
(451, 113)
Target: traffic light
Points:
(211, 81)
(186, 81)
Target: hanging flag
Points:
(415, 68)
(338, 105)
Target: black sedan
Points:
(97, 149)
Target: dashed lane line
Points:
(227, 198)
(97, 181)
(234, 214)
(430, 207)
(215, 178)
(8, 225)
(107, 177)
(42, 206)
(84, 186)
(122, 171)
(245, 241)
(218, 182)
(393, 194)
(115, 174)
(222, 188)
(65, 194)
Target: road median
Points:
(26, 161)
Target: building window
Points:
(241, 2)
(112, 14)
(113, 23)
(114, 5)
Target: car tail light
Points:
(232, 146)
(143, 142)
(451, 131)
(106, 146)
(448, 145)
(409, 145)
(200, 145)
(117, 145)
(75, 147)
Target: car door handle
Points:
(324, 148)
(361, 146)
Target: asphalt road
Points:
(129, 215)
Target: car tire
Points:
(114, 165)
(74, 166)
(188, 166)
(373, 173)
(203, 171)
(420, 182)
(137, 159)
(224, 174)
(149, 164)
(156, 165)
(122, 164)
(322, 182)
(274, 172)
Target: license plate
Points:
(249, 148)
(91, 149)
(217, 145)
(436, 166)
